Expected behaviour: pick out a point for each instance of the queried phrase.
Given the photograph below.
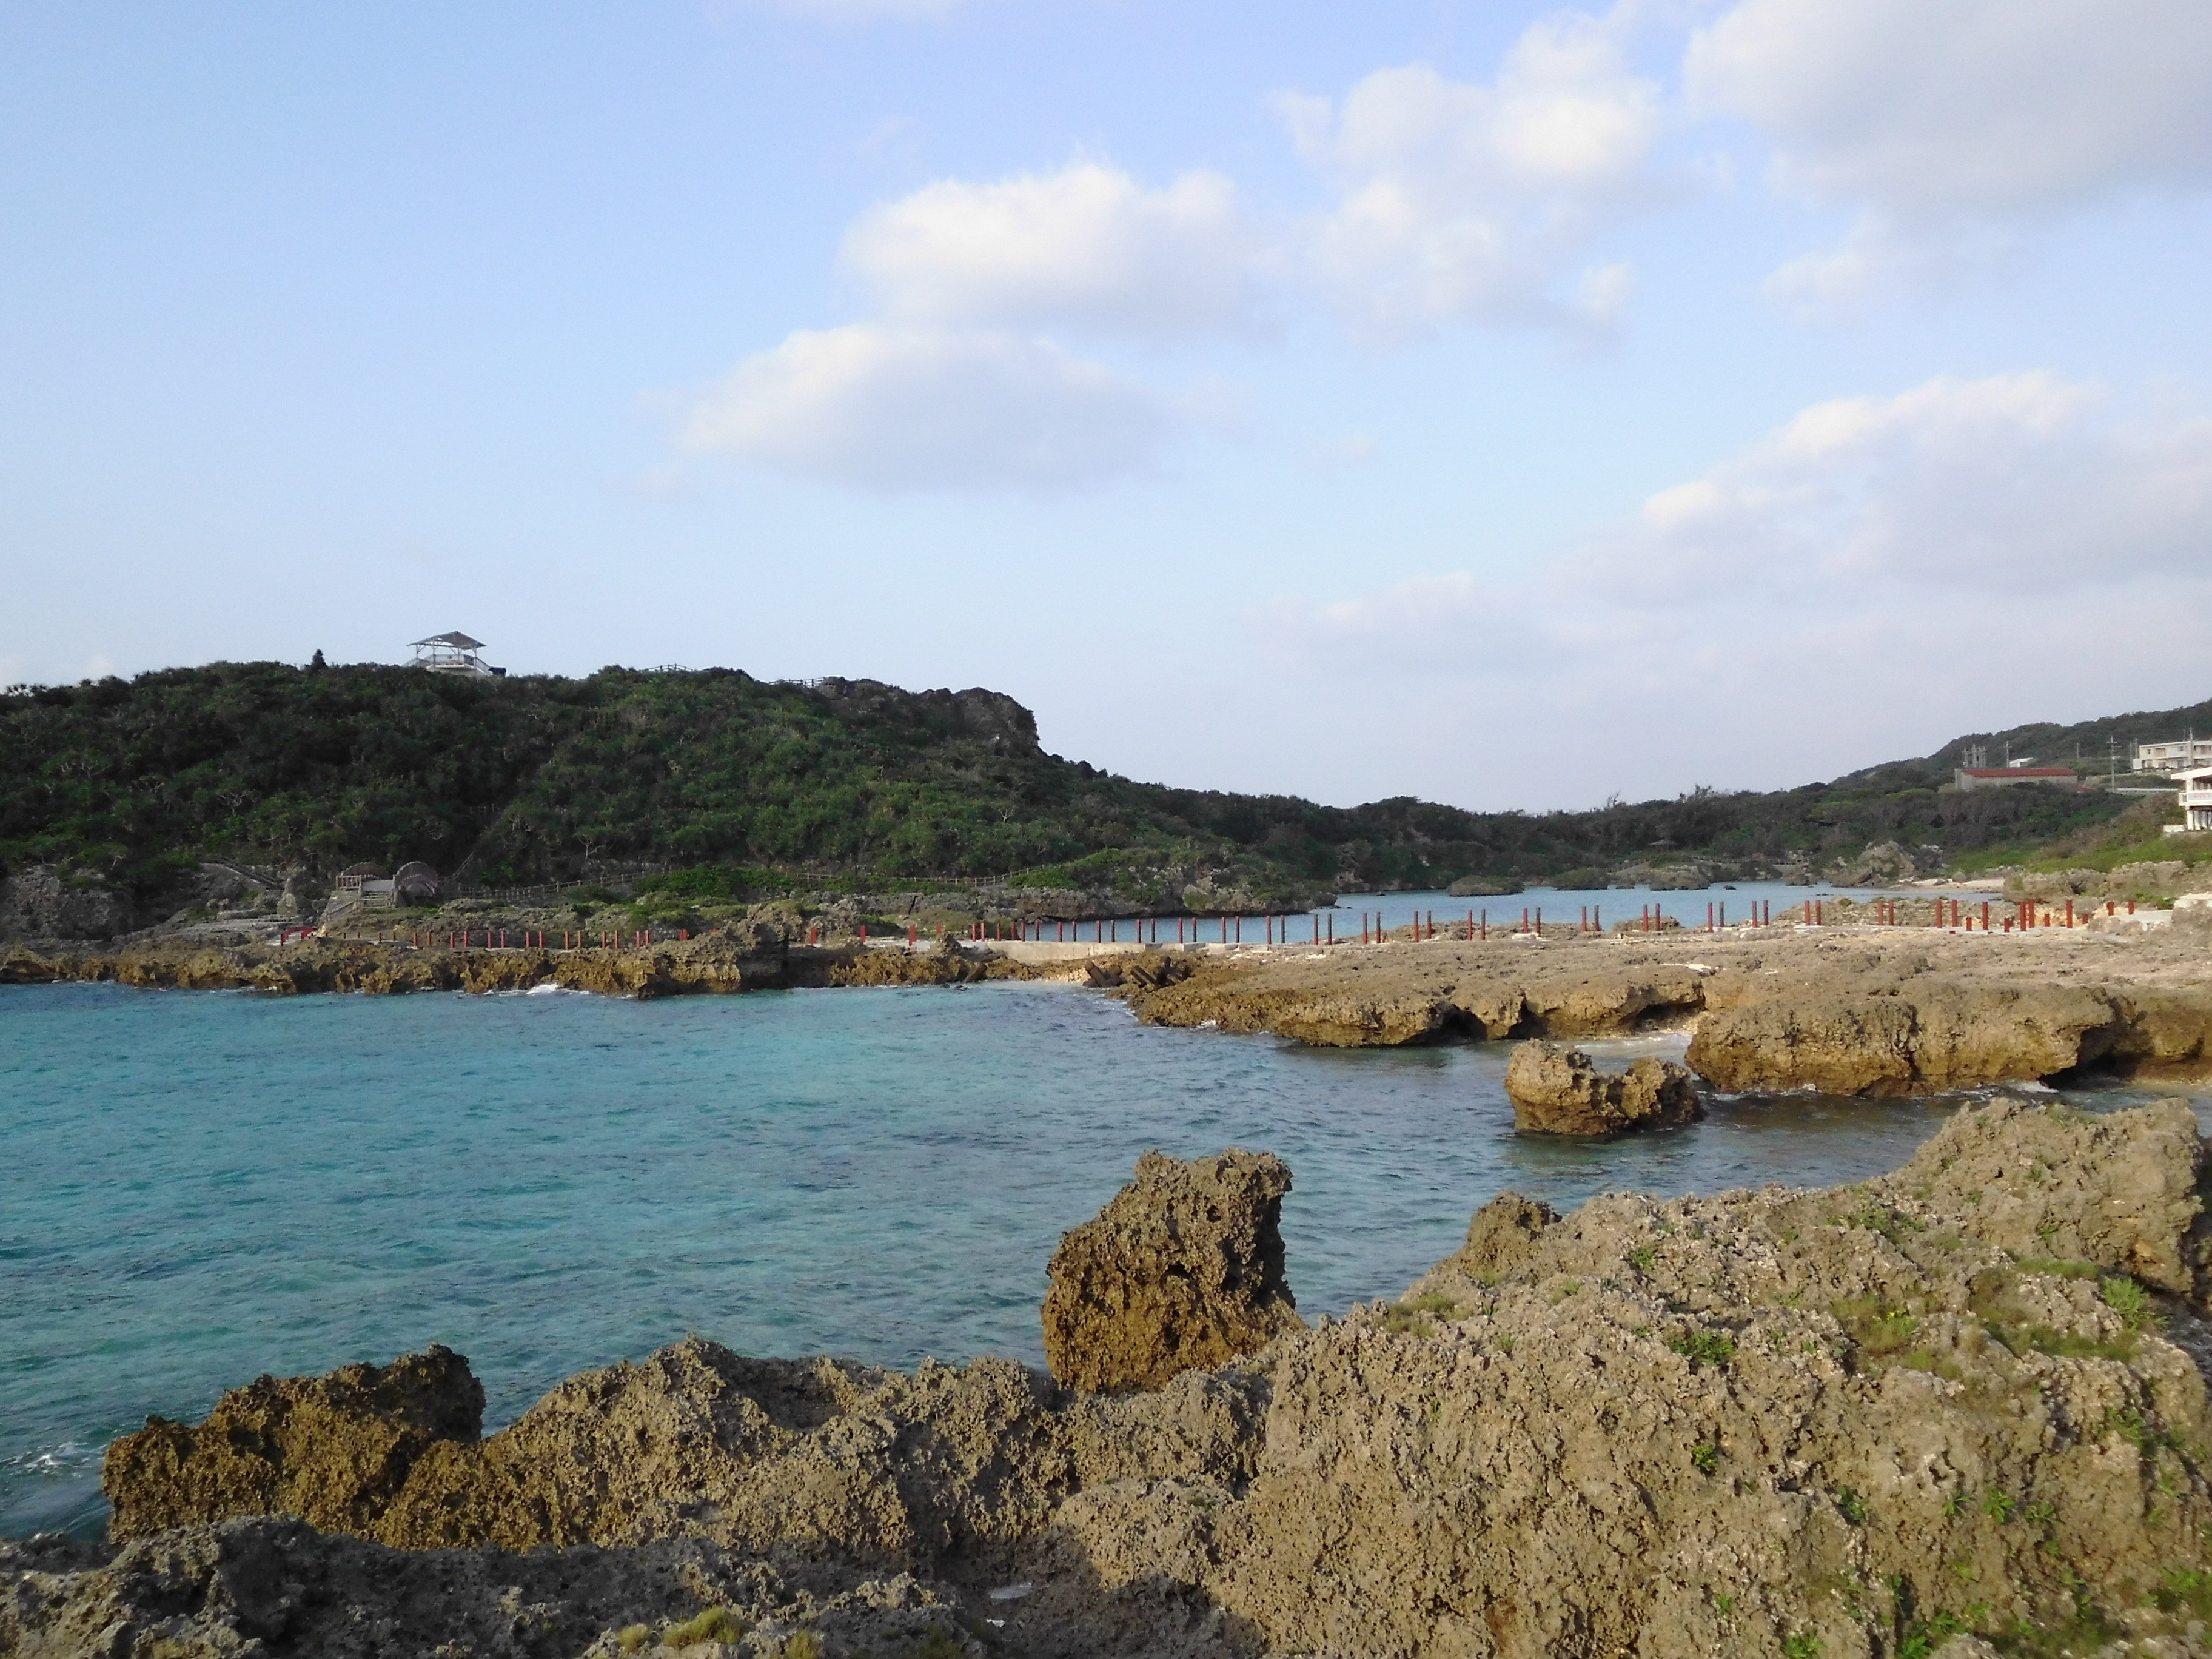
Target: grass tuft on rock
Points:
(1701, 1346)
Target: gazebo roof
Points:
(457, 640)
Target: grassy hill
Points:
(131, 783)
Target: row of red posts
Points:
(531, 940)
(1948, 912)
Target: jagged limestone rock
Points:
(1184, 1268)
(1653, 1426)
(1559, 1092)
(334, 1450)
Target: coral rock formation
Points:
(1504, 1234)
(334, 1450)
(1854, 1422)
(271, 1587)
(1559, 1092)
(1184, 1268)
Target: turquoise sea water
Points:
(200, 1187)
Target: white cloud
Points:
(1880, 571)
(1086, 248)
(1474, 201)
(1929, 117)
(2023, 483)
(896, 408)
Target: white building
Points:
(2196, 785)
(453, 653)
(2171, 756)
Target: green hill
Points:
(131, 783)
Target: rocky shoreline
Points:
(1850, 1010)
(1846, 1011)
(1955, 1403)
(722, 963)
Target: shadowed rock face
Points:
(1184, 1268)
(266, 1587)
(1649, 1427)
(1559, 1092)
(335, 1451)
(1504, 1234)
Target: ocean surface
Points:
(200, 1187)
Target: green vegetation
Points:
(1881, 1330)
(1801, 1644)
(752, 788)
(2010, 1326)
(2136, 835)
(1851, 1506)
(2185, 1589)
(1417, 1314)
(714, 1624)
(1703, 1346)
(1924, 1635)
(1705, 1457)
(2129, 1299)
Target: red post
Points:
(1986, 916)
(864, 932)
(1540, 921)
(1709, 916)
(1723, 913)
(2069, 912)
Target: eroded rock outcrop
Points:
(1503, 1235)
(1851, 1421)
(335, 1451)
(1183, 1268)
(880, 1468)
(1558, 1091)
(269, 1587)
(1843, 1421)
(717, 962)
(36, 902)
(1914, 1037)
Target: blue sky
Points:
(1504, 405)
